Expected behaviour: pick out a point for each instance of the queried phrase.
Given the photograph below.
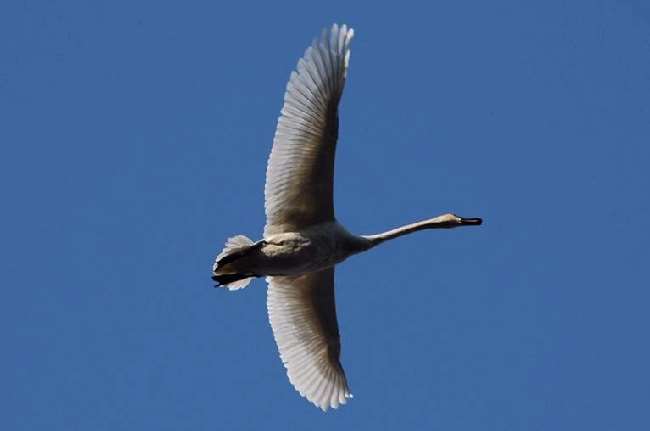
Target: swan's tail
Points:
(223, 270)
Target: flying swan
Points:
(302, 239)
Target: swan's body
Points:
(302, 240)
(293, 253)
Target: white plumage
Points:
(299, 175)
(303, 317)
(302, 239)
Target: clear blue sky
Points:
(134, 141)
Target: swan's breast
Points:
(318, 247)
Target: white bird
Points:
(302, 240)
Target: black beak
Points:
(469, 221)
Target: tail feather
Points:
(232, 281)
(233, 244)
(235, 247)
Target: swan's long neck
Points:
(444, 221)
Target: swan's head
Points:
(450, 220)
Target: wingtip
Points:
(336, 28)
(328, 404)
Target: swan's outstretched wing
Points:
(303, 317)
(300, 170)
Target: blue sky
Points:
(134, 142)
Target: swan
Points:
(302, 239)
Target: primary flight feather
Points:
(302, 240)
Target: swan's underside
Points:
(302, 241)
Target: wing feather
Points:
(302, 313)
(300, 170)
